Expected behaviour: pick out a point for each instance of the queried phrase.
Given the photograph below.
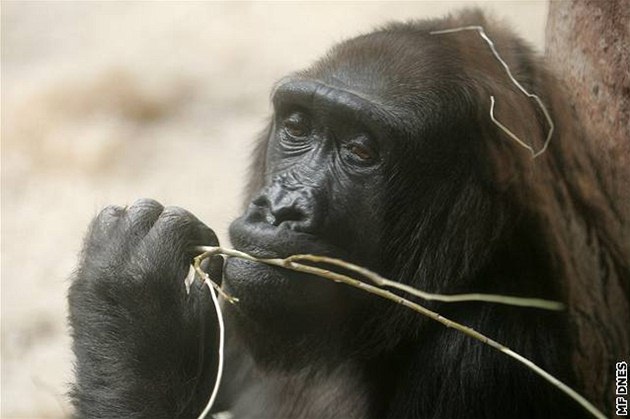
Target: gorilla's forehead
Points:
(391, 67)
(401, 77)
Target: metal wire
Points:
(542, 106)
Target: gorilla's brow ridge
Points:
(380, 109)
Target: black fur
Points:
(140, 340)
(382, 153)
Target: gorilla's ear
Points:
(258, 168)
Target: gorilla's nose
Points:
(281, 207)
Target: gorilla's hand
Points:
(143, 344)
(143, 246)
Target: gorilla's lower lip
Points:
(264, 240)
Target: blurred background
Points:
(107, 102)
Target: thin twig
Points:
(203, 275)
(291, 264)
(382, 282)
(214, 289)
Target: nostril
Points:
(261, 201)
(283, 214)
(260, 211)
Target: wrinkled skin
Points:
(377, 154)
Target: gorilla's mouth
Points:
(266, 241)
(246, 279)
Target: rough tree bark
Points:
(588, 47)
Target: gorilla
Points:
(382, 153)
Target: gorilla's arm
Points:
(139, 338)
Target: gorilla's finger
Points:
(201, 317)
(199, 290)
(213, 266)
(185, 229)
(202, 236)
(205, 236)
(102, 228)
(109, 216)
(142, 214)
(170, 241)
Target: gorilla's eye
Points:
(297, 125)
(362, 152)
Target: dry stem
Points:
(290, 263)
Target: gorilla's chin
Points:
(284, 312)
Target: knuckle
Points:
(112, 211)
(177, 214)
(108, 215)
(148, 204)
(143, 213)
(175, 222)
(103, 233)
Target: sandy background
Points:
(108, 102)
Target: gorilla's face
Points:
(324, 168)
(321, 195)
